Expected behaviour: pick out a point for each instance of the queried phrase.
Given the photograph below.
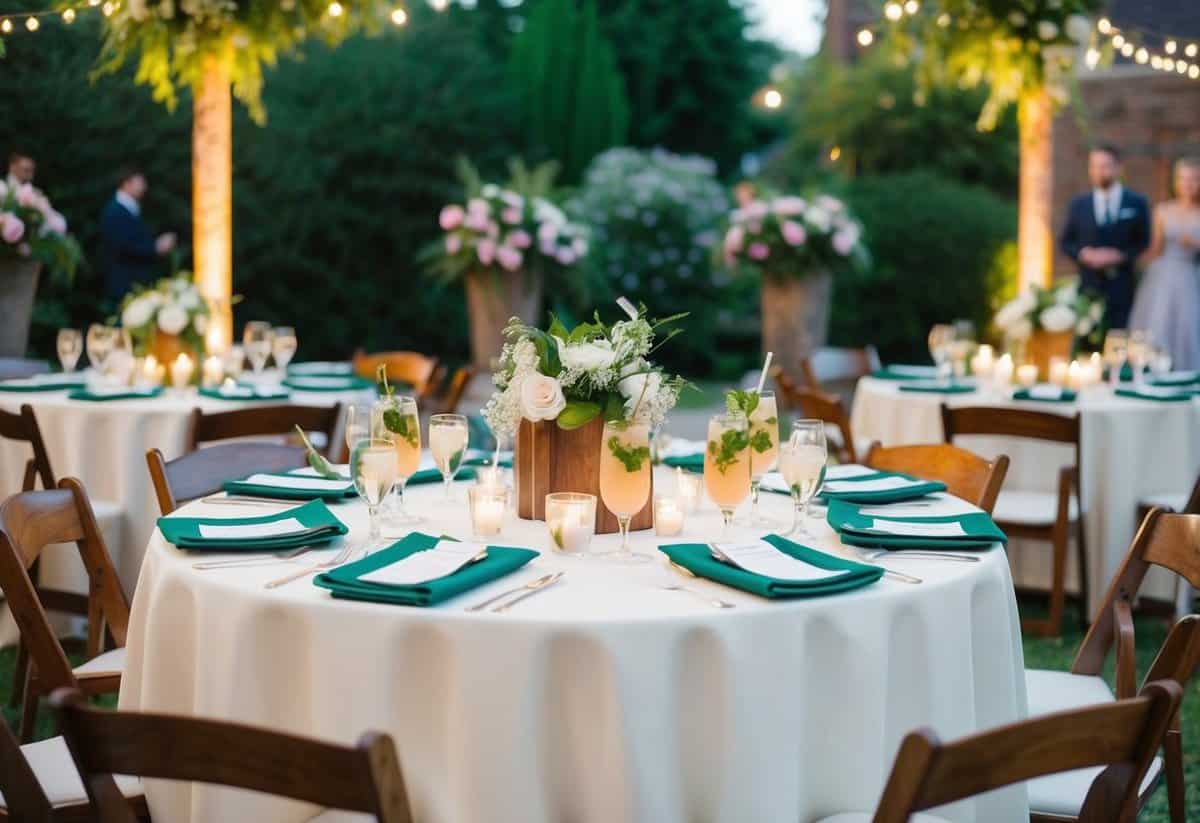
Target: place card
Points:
(907, 528)
(847, 471)
(288, 525)
(445, 558)
(913, 371)
(343, 469)
(936, 505)
(760, 557)
(1045, 393)
(881, 484)
(293, 481)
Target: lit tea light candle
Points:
(1075, 376)
(1027, 375)
(668, 516)
(1002, 372)
(571, 521)
(214, 370)
(1058, 371)
(984, 361)
(689, 488)
(151, 372)
(487, 509)
(1095, 369)
(181, 371)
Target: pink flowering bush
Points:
(30, 228)
(790, 236)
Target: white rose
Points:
(631, 388)
(1057, 318)
(588, 357)
(137, 314)
(200, 324)
(541, 397)
(172, 319)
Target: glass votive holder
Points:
(689, 488)
(488, 505)
(668, 515)
(571, 521)
(1027, 375)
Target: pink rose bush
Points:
(789, 236)
(31, 228)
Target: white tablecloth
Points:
(1130, 448)
(600, 700)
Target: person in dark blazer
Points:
(1106, 231)
(128, 252)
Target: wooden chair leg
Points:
(1058, 585)
(1173, 763)
(1084, 587)
(20, 675)
(29, 708)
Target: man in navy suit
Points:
(1106, 231)
(128, 252)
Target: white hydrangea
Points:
(172, 319)
(1057, 318)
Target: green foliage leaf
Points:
(740, 401)
(577, 413)
(725, 452)
(614, 408)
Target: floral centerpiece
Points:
(167, 319)
(556, 390)
(1048, 321)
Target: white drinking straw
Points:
(762, 378)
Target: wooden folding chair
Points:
(361, 778)
(264, 421)
(456, 389)
(966, 474)
(39, 783)
(1171, 541)
(204, 472)
(29, 522)
(817, 405)
(1183, 503)
(1051, 517)
(1121, 736)
(829, 367)
(408, 367)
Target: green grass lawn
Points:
(1052, 653)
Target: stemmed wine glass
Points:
(960, 347)
(257, 340)
(802, 464)
(1116, 351)
(397, 419)
(373, 467)
(70, 347)
(940, 338)
(727, 465)
(448, 438)
(625, 478)
(99, 344)
(1140, 345)
(358, 423)
(283, 347)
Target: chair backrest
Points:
(361, 778)
(456, 388)
(29, 522)
(1165, 539)
(1006, 422)
(413, 368)
(23, 427)
(817, 404)
(966, 474)
(838, 365)
(262, 421)
(23, 795)
(204, 471)
(1124, 735)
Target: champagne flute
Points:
(358, 423)
(625, 478)
(397, 418)
(99, 344)
(940, 338)
(283, 347)
(256, 338)
(802, 464)
(1140, 344)
(448, 437)
(727, 465)
(764, 450)
(1116, 350)
(373, 467)
(70, 347)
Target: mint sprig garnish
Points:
(319, 464)
(740, 401)
(725, 453)
(402, 425)
(761, 441)
(631, 457)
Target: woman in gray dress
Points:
(1168, 299)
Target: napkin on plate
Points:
(902, 372)
(344, 581)
(299, 526)
(242, 392)
(321, 383)
(1160, 394)
(876, 527)
(289, 486)
(119, 393)
(937, 387)
(1045, 394)
(698, 559)
(881, 487)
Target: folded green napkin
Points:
(901, 372)
(1045, 394)
(322, 383)
(43, 382)
(344, 580)
(1178, 378)
(938, 387)
(855, 529)
(340, 491)
(1160, 394)
(435, 476)
(689, 462)
(696, 558)
(316, 525)
(877, 496)
(105, 396)
(245, 393)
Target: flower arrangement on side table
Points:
(167, 319)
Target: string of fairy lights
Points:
(1156, 50)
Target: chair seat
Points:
(339, 816)
(865, 817)
(1170, 502)
(1030, 508)
(55, 771)
(1064, 793)
(111, 661)
(107, 511)
(1053, 691)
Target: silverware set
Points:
(522, 592)
(341, 557)
(715, 602)
(254, 560)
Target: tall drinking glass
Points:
(373, 467)
(764, 449)
(940, 338)
(448, 437)
(1116, 351)
(625, 478)
(727, 465)
(257, 339)
(99, 344)
(802, 464)
(283, 346)
(358, 423)
(70, 347)
(397, 419)
(1140, 346)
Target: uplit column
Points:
(1035, 230)
(212, 197)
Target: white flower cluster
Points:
(174, 307)
(1058, 309)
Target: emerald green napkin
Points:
(105, 396)
(920, 488)
(324, 383)
(342, 491)
(1178, 378)
(43, 382)
(317, 525)
(1064, 396)
(1160, 394)
(245, 393)
(435, 476)
(320, 368)
(855, 529)
(690, 462)
(901, 372)
(696, 558)
(938, 387)
(344, 582)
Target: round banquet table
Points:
(1129, 449)
(603, 698)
